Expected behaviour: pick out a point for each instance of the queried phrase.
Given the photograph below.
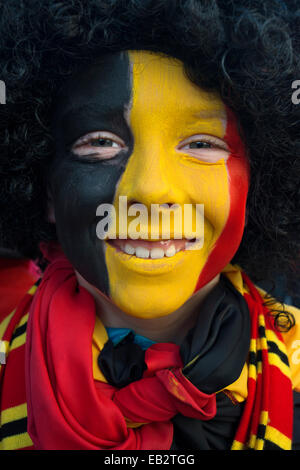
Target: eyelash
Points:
(214, 142)
(90, 140)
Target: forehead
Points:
(105, 83)
(161, 88)
(153, 82)
(163, 79)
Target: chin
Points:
(147, 306)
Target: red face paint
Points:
(238, 180)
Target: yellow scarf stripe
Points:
(271, 335)
(261, 432)
(264, 418)
(17, 441)
(14, 428)
(23, 320)
(255, 370)
(19, 339)
(13, 420)
(17, 342)
(276, 437)
(14, 413)
(267, 436)
(4, 345)
(255, 365)
(255, 443)
(263, 344)
(4, 324)
(237, 445)
(33, 290)
(274, 360)
(277, 353)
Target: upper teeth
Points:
(154, 253)
(129, 249)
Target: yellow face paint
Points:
(167, 109)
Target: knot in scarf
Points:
(68, 409)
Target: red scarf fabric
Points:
(67, 408)
(16, 277)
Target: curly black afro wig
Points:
(248, 50)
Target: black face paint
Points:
(94, 100)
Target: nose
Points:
(150, 178)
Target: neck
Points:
(169, 328)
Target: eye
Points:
(199, 145)
(102, 142)
(205, 148)
(100, 145)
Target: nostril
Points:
(168, 205)
(133, 201)
(162, 205)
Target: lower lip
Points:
(145, 266)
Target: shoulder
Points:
(292, 342)
(13, 327)
(290, 338)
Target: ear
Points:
(50, 208)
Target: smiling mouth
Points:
(146, 249)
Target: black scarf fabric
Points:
(213, 353)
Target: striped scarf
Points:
(265, 423)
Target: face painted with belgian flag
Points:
(133, 125)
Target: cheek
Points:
(78, 189)
(238, 183)
(75, 206)
(212, 189)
